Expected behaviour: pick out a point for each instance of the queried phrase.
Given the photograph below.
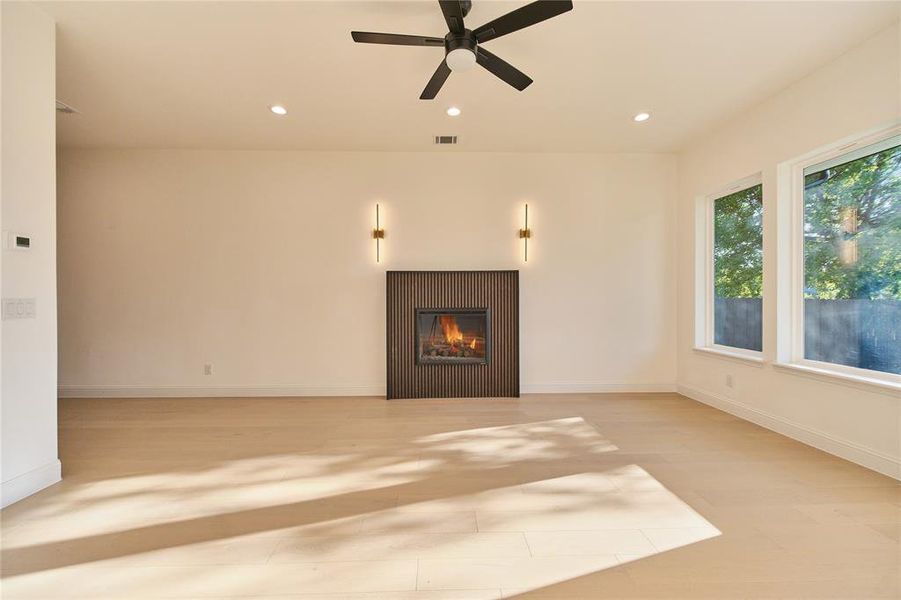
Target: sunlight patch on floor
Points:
(520, 506)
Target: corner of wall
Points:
(29, 483)
(28, 356)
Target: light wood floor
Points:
(590, 496)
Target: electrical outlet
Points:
(207, 369)
(730, 383)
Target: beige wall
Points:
(857, 92)
(28, 397)
(260, 263)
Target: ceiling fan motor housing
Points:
(465, 40)
(460, 50)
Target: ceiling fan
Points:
(463, 47)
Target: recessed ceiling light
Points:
(453, 111)
(278, 109)
(641, 117)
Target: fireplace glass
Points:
(452, 336)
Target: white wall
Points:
(29, 454)
(261, 264)
(857, 92)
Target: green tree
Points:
(852, 229)
(852, 233)
(738, 244)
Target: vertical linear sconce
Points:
(378, 234)
(524, 234)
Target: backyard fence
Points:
(737, 323)
(857, 333)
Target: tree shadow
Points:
(398, 466)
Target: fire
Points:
(452, 333)
(472, 344)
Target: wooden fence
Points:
(858, 333)
(737, 323)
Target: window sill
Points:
(870, 384)
(753, 359)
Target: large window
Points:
(735, 268)
(852, 259)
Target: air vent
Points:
(445, 139)
(65, 108)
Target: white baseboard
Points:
(181, 391)
(187, 391)
(587, 387)
(28, 483)
(866, 457)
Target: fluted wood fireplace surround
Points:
(452, 334)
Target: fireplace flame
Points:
(452, 333)
(472, 344)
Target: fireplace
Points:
(452, 336)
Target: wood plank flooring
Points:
(549, 496)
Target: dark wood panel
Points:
(496, 290)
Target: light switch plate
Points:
(19, 308)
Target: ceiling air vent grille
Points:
(445, 139)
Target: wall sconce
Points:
(525, 234)
(378, 234)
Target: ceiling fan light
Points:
(460, 59)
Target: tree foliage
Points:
(852, 229)
(852, 233)
(738, 244)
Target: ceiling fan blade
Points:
(435, 83)
(453, 14)
(396, 39)
(528, 15)
(503, 69)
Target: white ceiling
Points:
(202, 74)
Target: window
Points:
(851, 259)
(738, 269)
(730, 259)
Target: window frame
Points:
(704, 284)
(790, 264)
